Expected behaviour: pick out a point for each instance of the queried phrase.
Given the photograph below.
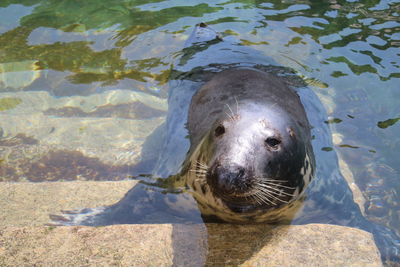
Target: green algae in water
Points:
(334, 120)
(387, 123)
(7, 103)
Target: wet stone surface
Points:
(24, 241)
(187, 245)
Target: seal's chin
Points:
(243, 208)
(240, 204)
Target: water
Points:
(82, 84)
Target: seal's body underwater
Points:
(255, 152)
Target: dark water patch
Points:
(135, 110)
(22, 158)
(7, 173)
(73, 165)
(19, 139)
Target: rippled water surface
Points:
(83, 83)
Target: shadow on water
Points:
(217, 244)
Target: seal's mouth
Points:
(254, 199)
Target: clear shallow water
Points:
(77, 78)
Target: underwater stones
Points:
(29, 204)
(7, 103)
(105, 131)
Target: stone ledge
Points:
(29, 204)
(187, 245)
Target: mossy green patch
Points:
(387, 123)
(7, 103)
(332, 121)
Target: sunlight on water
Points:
(84, 83)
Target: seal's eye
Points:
(272, 142)
(220, 130)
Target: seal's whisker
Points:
(264, 198)
(256, 200)
(279, 185)
(274, 183)
(233, 114)
(274, 180)
(229, 115)
(269, 193)
(237, 105)
(279, 193)
(277, 190)
(202, 168)
(203, 165)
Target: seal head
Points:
(255, 154)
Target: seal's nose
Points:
(228, 180)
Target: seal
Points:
(256, 150)
(251, 152)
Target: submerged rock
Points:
(24, 241)
(187, 245)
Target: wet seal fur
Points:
(256, 141)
